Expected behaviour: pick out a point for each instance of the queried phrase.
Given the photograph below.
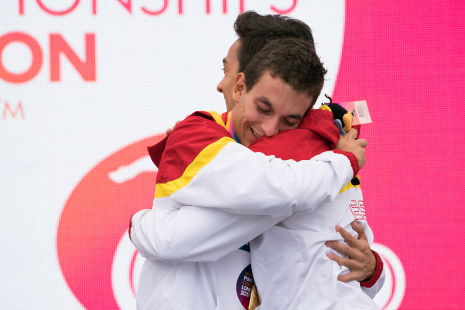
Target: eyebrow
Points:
(265, 101)
(295, 116)
(225, 61)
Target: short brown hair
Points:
(294, 61)
(255, 31)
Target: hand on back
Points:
(360, 259)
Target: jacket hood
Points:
(321, 122)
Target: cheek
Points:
(252, 116)
(243, 115)
(229, 82)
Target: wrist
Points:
(369, 282)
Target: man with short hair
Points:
(197, 158)
(254, 32)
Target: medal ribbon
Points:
(229, 127)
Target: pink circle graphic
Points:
(94, 220)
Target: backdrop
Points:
(86, 85)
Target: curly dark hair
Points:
(255, 31)
(293, 60)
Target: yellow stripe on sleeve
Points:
(203, 159)
(218, 118)
(350, 185)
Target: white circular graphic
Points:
(125, 271)
(391, 295)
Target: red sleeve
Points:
(377, 274)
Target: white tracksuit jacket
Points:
(194, 236)
(290, 263)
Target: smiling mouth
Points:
(255, 134)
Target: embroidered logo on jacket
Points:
(358, 210)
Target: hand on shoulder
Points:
(350, 143)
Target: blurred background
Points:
(87, 85)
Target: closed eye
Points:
(261, 110)
(287, 122)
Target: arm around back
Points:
(203, 173)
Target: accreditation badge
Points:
(234, 280)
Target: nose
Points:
(270, 127)
(219, 88)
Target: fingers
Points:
(351, 240)
(356, 147)
(359, 229)
(358, 257)
(362, 142)
(341, 261)
(343, 249)
(356, 268)
(351, 276)
(352, 134)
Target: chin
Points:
(249, 139)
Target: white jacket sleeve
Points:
(194, 234)
(372, 291)
(240, 181)
(254, 190)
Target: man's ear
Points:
(239, 87)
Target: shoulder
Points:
(196, 132)
(189, 140)
(207, 123)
